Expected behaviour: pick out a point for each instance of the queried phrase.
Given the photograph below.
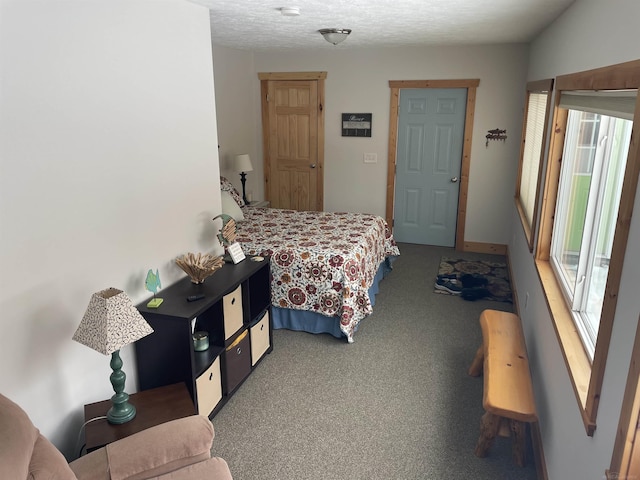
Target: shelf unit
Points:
(235, 312)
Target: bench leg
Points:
(518, 430)
(488, 431)
(476, 366)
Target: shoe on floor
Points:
(450, 286)
(473, 280)
(475, 293)
(447, 276)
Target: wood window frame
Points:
(539, 86)
(586, 376)
(396, 85)
(625, 461)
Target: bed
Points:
(323, 263)
(325, 267)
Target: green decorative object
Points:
(200, 341)
(152, 284)
(155, 302)
(227, 234)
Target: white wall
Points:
(238, 126)
(109, 167)
(358, 81)
(590, 34)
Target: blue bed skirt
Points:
(312, 322)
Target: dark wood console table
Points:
(153, 407)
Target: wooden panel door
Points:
(430, 143)
(293, 137)
(398, 86)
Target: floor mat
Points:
(496, 274)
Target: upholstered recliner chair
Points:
(177, 450)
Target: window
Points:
(589, 192)
(533, 138)
(591, 174)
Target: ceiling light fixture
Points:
(335, 35)
(290, 11)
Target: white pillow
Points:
(230, 207)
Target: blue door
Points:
(430, 141)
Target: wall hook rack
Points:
(496, 134)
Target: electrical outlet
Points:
(370, 158)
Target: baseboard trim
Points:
(514, 290)
(538, 453)
(481, 247)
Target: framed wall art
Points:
(356, 124)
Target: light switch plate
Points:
(370, 158)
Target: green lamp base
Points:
(155, 302)
(121, 412)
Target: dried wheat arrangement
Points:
(199, 266)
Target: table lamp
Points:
(243, 164)
(111, 322)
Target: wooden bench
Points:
(508, 398)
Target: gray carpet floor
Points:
(395, 404)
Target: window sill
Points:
(576, 359)
(525, 223)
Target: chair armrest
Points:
(149, 453)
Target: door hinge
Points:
(267, 97)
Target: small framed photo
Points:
(356, 124)
(236, 253)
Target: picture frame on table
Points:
(236, 253)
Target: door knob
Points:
(454, 179)
(313, 165)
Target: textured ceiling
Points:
(259, 24)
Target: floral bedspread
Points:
(320, 261)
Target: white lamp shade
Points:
(111, 322)
(242, 163)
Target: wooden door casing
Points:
(293, 139)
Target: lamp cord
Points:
(82, 428)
